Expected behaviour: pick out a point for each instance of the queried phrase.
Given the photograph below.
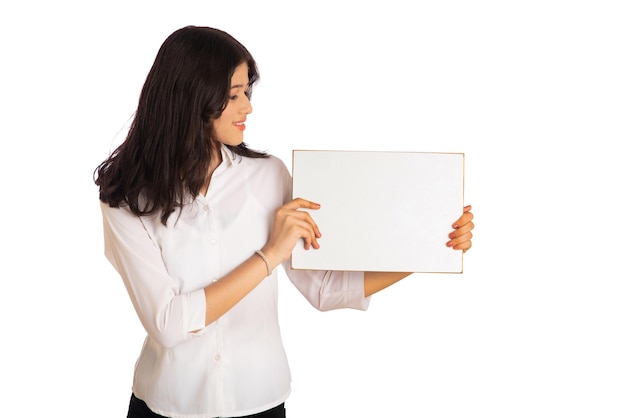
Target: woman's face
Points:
(230, 125)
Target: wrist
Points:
(273, 258)
(268, 266)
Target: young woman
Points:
(195, 222)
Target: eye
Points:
(233, 97)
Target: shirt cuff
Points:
(343, 290)
(197, 310)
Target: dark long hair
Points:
(167, 152)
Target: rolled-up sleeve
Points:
(168, 316)
(328, 290)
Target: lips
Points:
(240, 125)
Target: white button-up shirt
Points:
(236, 365)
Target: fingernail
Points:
(451, 235)
(449, 244)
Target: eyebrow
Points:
(239, 86)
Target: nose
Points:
(246, 105)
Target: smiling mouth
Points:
(240, 125)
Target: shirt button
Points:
(213, 241)
(206, 208)
(218, 357)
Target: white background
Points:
(534, 94)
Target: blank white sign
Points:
(380, 211)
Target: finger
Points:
(314, 237)
(300, 216)
(309, 219)
(303, 226)
(464, 246)
(461, 230)
(467, 208)
(307, 234)
(465, 218)
(300, 203)
(461, 242)
(307, 241)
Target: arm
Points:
(225, 293)
(375, 281)
(290, 225)
(460, 239)
(329, 290)
(169, 316)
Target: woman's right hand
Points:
(291, 225)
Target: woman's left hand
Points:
(461, 237)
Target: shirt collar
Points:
(229, 161)
(228, 156)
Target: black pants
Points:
(139, 409)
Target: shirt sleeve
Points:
(168, 316)
(328, 290)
